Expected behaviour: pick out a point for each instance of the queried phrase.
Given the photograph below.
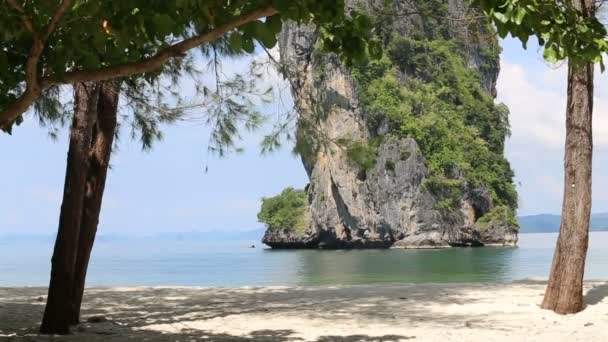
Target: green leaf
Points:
(274, 23)
(236, 41)
(519, 17)
(502, 30)
(501, 17)
(248, 45)
(265, 35)
(163, 24)
(269, 40)
(550, 54)
(523, 37)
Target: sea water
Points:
(153, 262)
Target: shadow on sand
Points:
(132, 312)
(596, 294)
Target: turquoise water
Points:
(197, 263)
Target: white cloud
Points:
(537, 114)
(536, 96)
(537, 100)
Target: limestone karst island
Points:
(321, 171)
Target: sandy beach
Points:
(422, 312)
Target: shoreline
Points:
(380, 312)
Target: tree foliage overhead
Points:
(47, 43)
(558, 25)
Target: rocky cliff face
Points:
(387, 203)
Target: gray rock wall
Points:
(386, 205)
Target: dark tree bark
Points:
(99, 160)
(564, 292)
(56, 318)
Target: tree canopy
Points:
(558, 25)
(48, 43)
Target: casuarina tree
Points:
(96, 46)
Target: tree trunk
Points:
(56, 318)
(99, 160)
(564, 292)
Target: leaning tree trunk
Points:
(56, 318)
(564, 293)
(99, 160)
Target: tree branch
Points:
(150, 64)
(50, 28)
(157, 61)
(33, 88)
(27, 21)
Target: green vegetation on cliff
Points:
(362, 154)
(434, 84)
(423, 88)
(501, 213)
(285, 211)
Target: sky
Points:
(535, 93)
(168, 190)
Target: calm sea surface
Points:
(153, 262)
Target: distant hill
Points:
(548, 223)
(209, 235)
(213, 235)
